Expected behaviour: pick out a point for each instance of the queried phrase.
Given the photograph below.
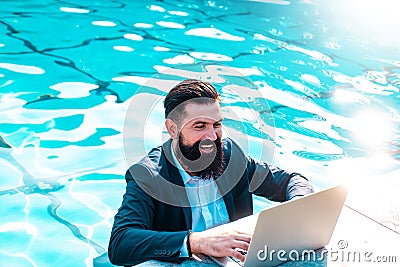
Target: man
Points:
(193, 182)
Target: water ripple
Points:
(52, 210)
(214, 33)
(317, 156)
(22, 68)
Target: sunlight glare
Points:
(377, 19)
(373, 129)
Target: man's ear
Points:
(172, 128)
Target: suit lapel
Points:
(175, 178)
(182, 198)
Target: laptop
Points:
(290, 229)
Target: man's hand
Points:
(220, 243)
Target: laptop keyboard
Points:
(241, 263)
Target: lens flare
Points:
(373, 129)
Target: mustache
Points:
(193, 152)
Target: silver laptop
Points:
(289, 230)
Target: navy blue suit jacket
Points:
(155, 214)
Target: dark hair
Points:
(188, 90)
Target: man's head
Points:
(194, 122)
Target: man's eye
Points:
(217, 125)
(199, 126)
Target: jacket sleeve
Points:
(298, 186)
(132, 241)
(276, 184)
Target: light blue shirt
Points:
(207, 205)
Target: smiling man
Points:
(196, 180)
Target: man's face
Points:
(199, 141)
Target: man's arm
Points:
(276, 184)
(132, 240)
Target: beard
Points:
(203, 165)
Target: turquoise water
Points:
(307, 85)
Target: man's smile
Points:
(207, 148)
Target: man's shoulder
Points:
(148, 164)
(232, 148)
(153, 163)
(227, 144)
(154, 155)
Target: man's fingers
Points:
(243, 233)
(243, 236)
(240, 245)
(220, 244)
(236, 254)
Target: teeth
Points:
(207, 146)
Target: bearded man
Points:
(193, 182)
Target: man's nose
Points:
(211, 134)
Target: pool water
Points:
(306, 85)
